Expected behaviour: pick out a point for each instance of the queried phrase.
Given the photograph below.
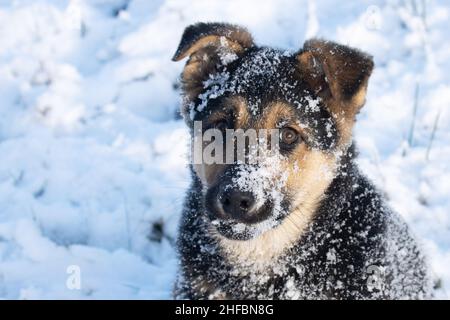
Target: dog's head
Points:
(307, 99)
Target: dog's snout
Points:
(237, 204)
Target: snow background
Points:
(93, 162)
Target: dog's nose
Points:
(238, 204)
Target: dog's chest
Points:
(280, 279)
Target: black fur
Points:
(353, 239)
(352, 221)
(280, 81)
(195, 32)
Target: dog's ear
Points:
(338, 73)
(208, 45)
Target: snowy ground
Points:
(93, 154)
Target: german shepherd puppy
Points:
(302, 223)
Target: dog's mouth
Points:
(237, 230)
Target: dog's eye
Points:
(288, 136)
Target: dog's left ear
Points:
(208, 45)
(338, 73)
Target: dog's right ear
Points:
(208, 45)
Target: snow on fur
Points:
(93, 164)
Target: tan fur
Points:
(274, 113)
(214, 41)
(280, 111)
(200, 65)
(344, 113)
(241, 110)
(237, 106)
(208, 173)
(203, 58)
(340, 76)
(310, 185)
(309, 174)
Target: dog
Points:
(302, 222)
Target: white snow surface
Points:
(93, 164)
